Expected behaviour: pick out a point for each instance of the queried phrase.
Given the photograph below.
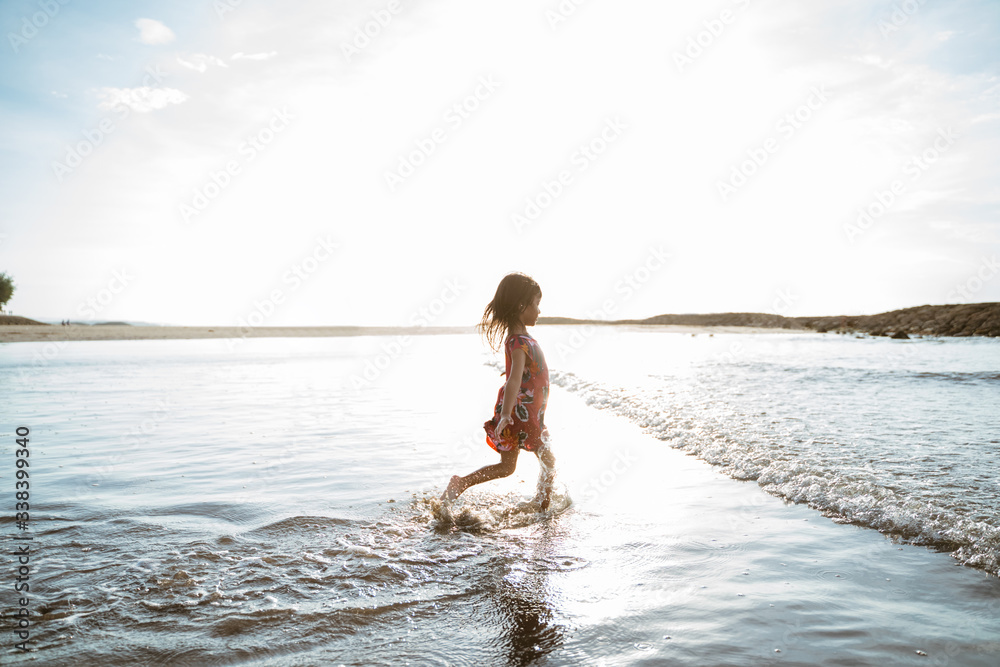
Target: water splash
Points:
(485, 512)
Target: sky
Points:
(249, 162)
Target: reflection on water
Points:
(529, 627)
(515, 583)
(520, 591)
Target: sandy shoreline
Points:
(26, 333)
(36, 333)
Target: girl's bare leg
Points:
(507, 465)
(546, 475)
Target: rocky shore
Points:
(974, 319)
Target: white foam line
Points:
(848, 496)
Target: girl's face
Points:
(530, 313)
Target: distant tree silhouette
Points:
(6, 289)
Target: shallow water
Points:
(274, 502)
(901, 436)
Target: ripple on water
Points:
(299, 576)
(695, 555)
(559, 563)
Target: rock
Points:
(967, 319)
(900, 335)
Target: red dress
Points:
(527, 430)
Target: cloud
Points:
(59, 95)
(199, 62)
(254, 56)
(104, 56)
(153, 32)
(143, 99)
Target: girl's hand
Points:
(502, 423)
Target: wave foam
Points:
(849, 496)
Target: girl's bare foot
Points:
(541, 499)
(454, 489)
(545, 501)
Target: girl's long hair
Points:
(503, 313)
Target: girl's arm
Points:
(517, 362)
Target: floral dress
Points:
(527, 429)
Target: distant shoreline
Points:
(962, 320)
(83, 332)
(74, 332)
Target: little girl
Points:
(519, 415)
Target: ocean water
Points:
(900, 436)
(725, 500)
